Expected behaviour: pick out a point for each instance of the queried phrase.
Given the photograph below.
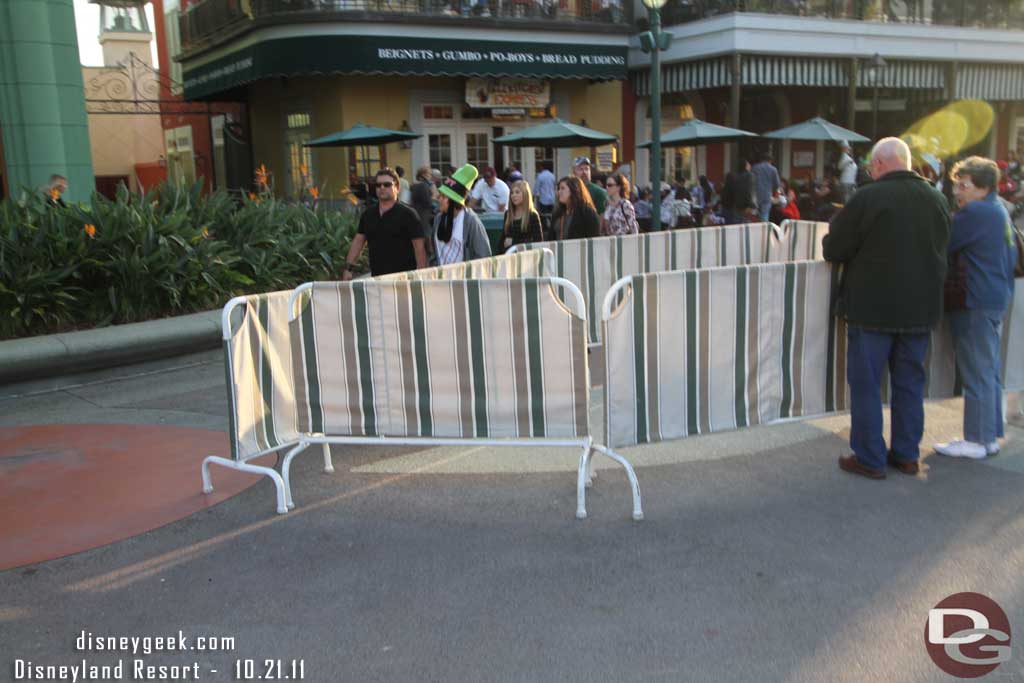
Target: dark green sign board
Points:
(408, 56)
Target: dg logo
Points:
(967, 635)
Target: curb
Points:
(58, 354)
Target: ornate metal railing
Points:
(208, 20)
(1003, 14)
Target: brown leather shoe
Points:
(904, 466)
(850, 463)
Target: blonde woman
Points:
(522, 222)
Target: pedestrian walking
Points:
(599, 198)
(458, 235)
(393, 231)
(491, 193)
(766, 184)
(738, 194)
(575, 216)
(892, 239)
(545, 189)
(620, 216)
(423, 195)
(847, 168)
(523, 224)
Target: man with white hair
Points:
(891, 238)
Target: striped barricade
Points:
(531, 263)
(594, 264)
(700, 351)
(493, 362)
(801, 240)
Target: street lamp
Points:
(875, 67)
(654, 41)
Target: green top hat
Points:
(456, 188)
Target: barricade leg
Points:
(282, 499)
(582, 482)
(638, 512)
(286, 467)
(328, 463)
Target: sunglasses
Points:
(387, 184)
(611, 184)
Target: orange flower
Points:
(90, 230)
(262, 175)
(252, 196)
(54, 194)
(314, 193)
(206, 233)
(303, 169)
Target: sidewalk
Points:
(758, 559)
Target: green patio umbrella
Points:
(816, 129)
(555, 133)
(362, 135)
(696, 132)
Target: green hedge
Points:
(168, 252)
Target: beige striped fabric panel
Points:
(445, 358)
(532, 263)
(694, 352)
(260, 381)
(801, 240)
(595, 264)
(1013, 341)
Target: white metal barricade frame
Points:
(586, 445)
(242, 465)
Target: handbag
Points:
(954, 293)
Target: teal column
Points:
(42, 101)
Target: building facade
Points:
(764, 64)
(460, 72)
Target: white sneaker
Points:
(962, 449)
(992, 448)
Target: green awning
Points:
(346, 54)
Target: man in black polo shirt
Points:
(393, 231)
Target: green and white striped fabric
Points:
(700, 351)
(445, 358)
(260, 385)
(532, 263)
(596, 263)
(801, 240)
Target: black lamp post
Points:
(654, 41)
(875, 67)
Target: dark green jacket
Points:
(892, 238)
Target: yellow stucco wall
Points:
(338, 102)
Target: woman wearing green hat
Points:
(457, 234)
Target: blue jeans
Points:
(867, 355)
(764, 209)
(976, 339)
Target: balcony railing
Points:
(1001, 14)
(209, 21)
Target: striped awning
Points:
(808, 72)
(994, 82)
(906, 75)
(702, 75)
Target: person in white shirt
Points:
(847, 168)
(491, 193)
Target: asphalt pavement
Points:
(758, 559)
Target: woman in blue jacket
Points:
(982, 242)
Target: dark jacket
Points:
(738, 193)
(892, 237)
(534, 230)
(576, 225)
(983, 238)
